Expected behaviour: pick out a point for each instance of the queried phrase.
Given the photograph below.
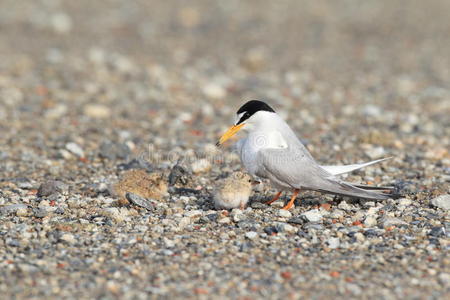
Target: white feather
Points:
(339, 170)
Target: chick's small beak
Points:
(230, 132)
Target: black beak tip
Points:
(218, 144)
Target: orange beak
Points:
(230, 132)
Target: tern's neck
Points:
(271, 122)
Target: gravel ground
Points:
(94, 95)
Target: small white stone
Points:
(375, 153)
(238, 216)
(200, 166)
(214, 91)
(22, 212)
(251, 235)
(61, 22)
(75, 149)
(193, 213)
(44, 204)
(184, 221)
(97, 111)
(359, 237)
(373, 211)
(225, 220)
(333, 243)
(312, 215)
(68, 237)
(444, 278)
(336, 214)
(404, 202)
(288, 228)
(169, 243)
(442, 202)
(370, 221)
(344, 206)
(284, 213)
(391, 221)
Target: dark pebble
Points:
(212, 217)
(372, 233)
(437, 231)
(51, 187)
(178, 174)
(270, 230)
(40, 212)
(140, 201)
(298, 221)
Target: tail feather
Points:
(347, 189)
(339, 170)
(392, 191)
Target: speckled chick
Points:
(153, 185)
(233, 191)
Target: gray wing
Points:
(294, 168)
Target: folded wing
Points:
(293, 168)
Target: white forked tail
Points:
(339, 170)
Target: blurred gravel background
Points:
(92, 89)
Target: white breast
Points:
(248, 148)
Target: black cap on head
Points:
(252, 107)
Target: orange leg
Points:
(291, 202)
(275, 198)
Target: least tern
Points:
(271, 150)
(233, 191)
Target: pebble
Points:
(359, 237)
(312, 215)
(201, 166)
(51, 187)
(345, 206)
(225, 220)
(284, 213)
(40, 212)
(12, 208)
(75, 149)
(114, 151)
(179, 175)
(285, 227)
(391, 221)
(333, 243)
(22, 212)
(25, 185)
(375, 152)
(444, 278)
(117, 214)
(61, 23)
(97, 111)
(68, 238)
(251, 235)
(214, 91)
(370, 221)
(442, 202)
(193, 213)
(404, 202)
(336, 214)
(140, 201)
